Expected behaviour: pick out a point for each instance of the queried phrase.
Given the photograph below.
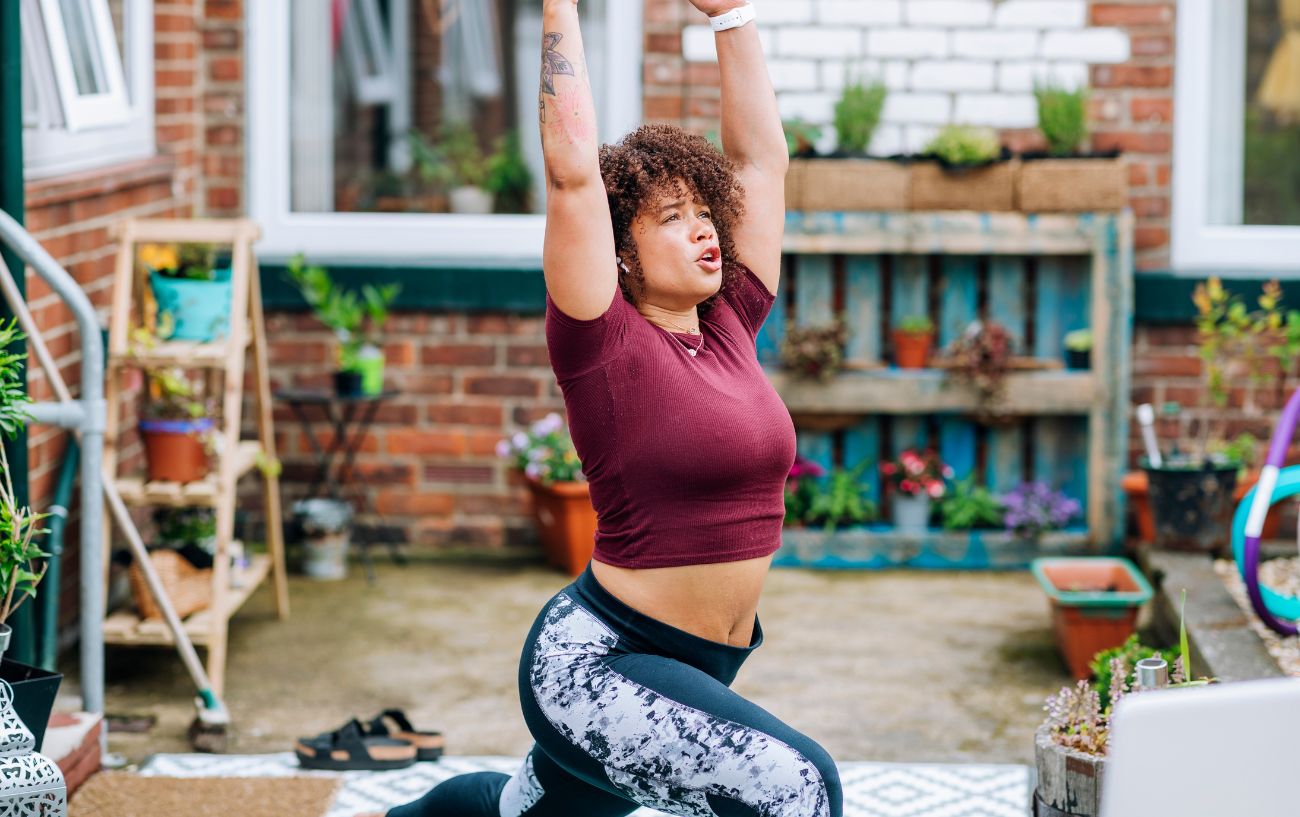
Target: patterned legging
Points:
(628, 711)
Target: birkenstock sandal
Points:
(349, 748)
(429, 745)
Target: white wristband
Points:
(733, 19)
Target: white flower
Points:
(519, 441)
(533, 470)
(549, 424)
(504, 449)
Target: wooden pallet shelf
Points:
(931, 391)
(127, 628)
(934, 549)
(1040, 276)
(201, 493)
(184, 353)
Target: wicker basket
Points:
(991, 188)
(188, 587)
(1072, 185)
(847, 184)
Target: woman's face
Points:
(679, 252)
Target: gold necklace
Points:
(689, 350)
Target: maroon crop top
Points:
(686, 456)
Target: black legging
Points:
(628, 711)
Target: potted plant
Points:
(969, 505)
(980, 359)
(34, 689)
(566, 520)
(509, 179)
(847, 179)
(917, 479)
(1191, 492)
(815, 352)
(842, 502)
(1065, 179)
(1034, 508)
(469, 166)
(192, 291)
(964, 168)
(800, 490)
(912, 339)
(1078, 349)
(431, 177)
(1071, 745)
(356, 321)
(177, 427)
(1095, 602)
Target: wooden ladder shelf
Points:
(221, 363)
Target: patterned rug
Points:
(870, 789)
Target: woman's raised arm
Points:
(753, 138)
(578, 251)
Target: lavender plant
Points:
(1033, 508)
(544, 452)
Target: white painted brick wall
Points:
(997, 110)
(908, 43)
(860, 12)
(973, 61)
(949, 12)
(819, 41)
(1041, 14)
(1093, 45)
(992, 44)
(1021, 76)
(794, 75)
(952, 75)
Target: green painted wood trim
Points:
(1166, 297)
(11, 197)
(437, 289)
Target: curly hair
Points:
(648, 164)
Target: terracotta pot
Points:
(1095, 602)
(173, 449)
(1272, 522)
(912, 350)
(1139, 499)
(566, 523)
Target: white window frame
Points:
(1208, 111)
(366, 39)
(414, 239)
(82, 111)
(81, 138)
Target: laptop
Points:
(1225, 750)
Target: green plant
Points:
(171, 395)
(19, 525)
(193, 261)
(460, 147)
(857, 113)
(970, 505)
(800, 488)
(815, 352)
(428, 162)
(1123, 658)
(508, 176)
(185, 525)
(544, 452)
(915, 325)
(354, 318)
(1237, 344)
(981, 358)
(842, 502)
(1062, 117)
(965, 145)
(1080, 340)
(800, 136)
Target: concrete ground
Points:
(887, 666)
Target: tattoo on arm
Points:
(574, 120)
(553, 62)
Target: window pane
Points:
(87, 63)
(464, 115)
(1271, 178)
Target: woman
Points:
(661, 260)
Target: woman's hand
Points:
(713, 8)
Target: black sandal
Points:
(429, 745)
(350, 749)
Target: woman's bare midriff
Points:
(716, 602)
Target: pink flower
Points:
(908, 486)
(915, 467)
(936, 489)
(888, 468)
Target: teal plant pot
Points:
(200, 310)
(911, 512)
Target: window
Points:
(1237, 135)
(87, 83)
(370, 130)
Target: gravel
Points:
(1283, 576)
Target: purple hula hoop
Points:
(1277, 449)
